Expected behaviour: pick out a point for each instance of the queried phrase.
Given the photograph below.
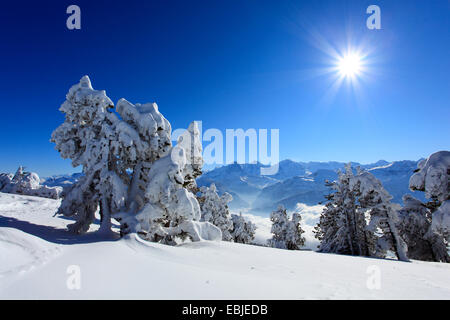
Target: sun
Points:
(350, 65)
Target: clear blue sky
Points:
(232, 64)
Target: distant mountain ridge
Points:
(299, 182)
(61, 180)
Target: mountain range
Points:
(299, 182)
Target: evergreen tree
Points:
(27, 183)
(414, 227)
(359, 218)
(294, 239)
(5, 180)
(374, 202)
(84, 138)
(131, 171)
(280, 221)
(215, 210)
(171, 211)
(287, 233)
(342, 228)
(243, 230)
(425, 226)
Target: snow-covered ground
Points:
(38, 259)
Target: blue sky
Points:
(233, 64)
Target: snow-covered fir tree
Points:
(243, 230)
(359, 218)
(280, 221)
(140, 139)
(131, 171)
(414, 227)
(425, 226)
(375, 204)
(171, 211)
(215, 210)
(433, 178)
(342, 228)
(190, 141)
(85, 138)
(441, 221)
(294, 239)
(287, 233)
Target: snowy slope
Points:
(36, 253)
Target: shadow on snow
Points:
(56, 235)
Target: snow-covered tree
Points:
(280, 223)
(243, 230)
(375, 204)
(5, 180)
(287, 233)
(441, 221)
(425, 226)
(294, 239)
(140, 139)
(85, 137)
(433, 177)
(171, 211)
(190, 140)
(342, 228)
(215, 210)
(22, 181)
(359, 218)
(131, 171)
(414, 227)
(27, 183)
